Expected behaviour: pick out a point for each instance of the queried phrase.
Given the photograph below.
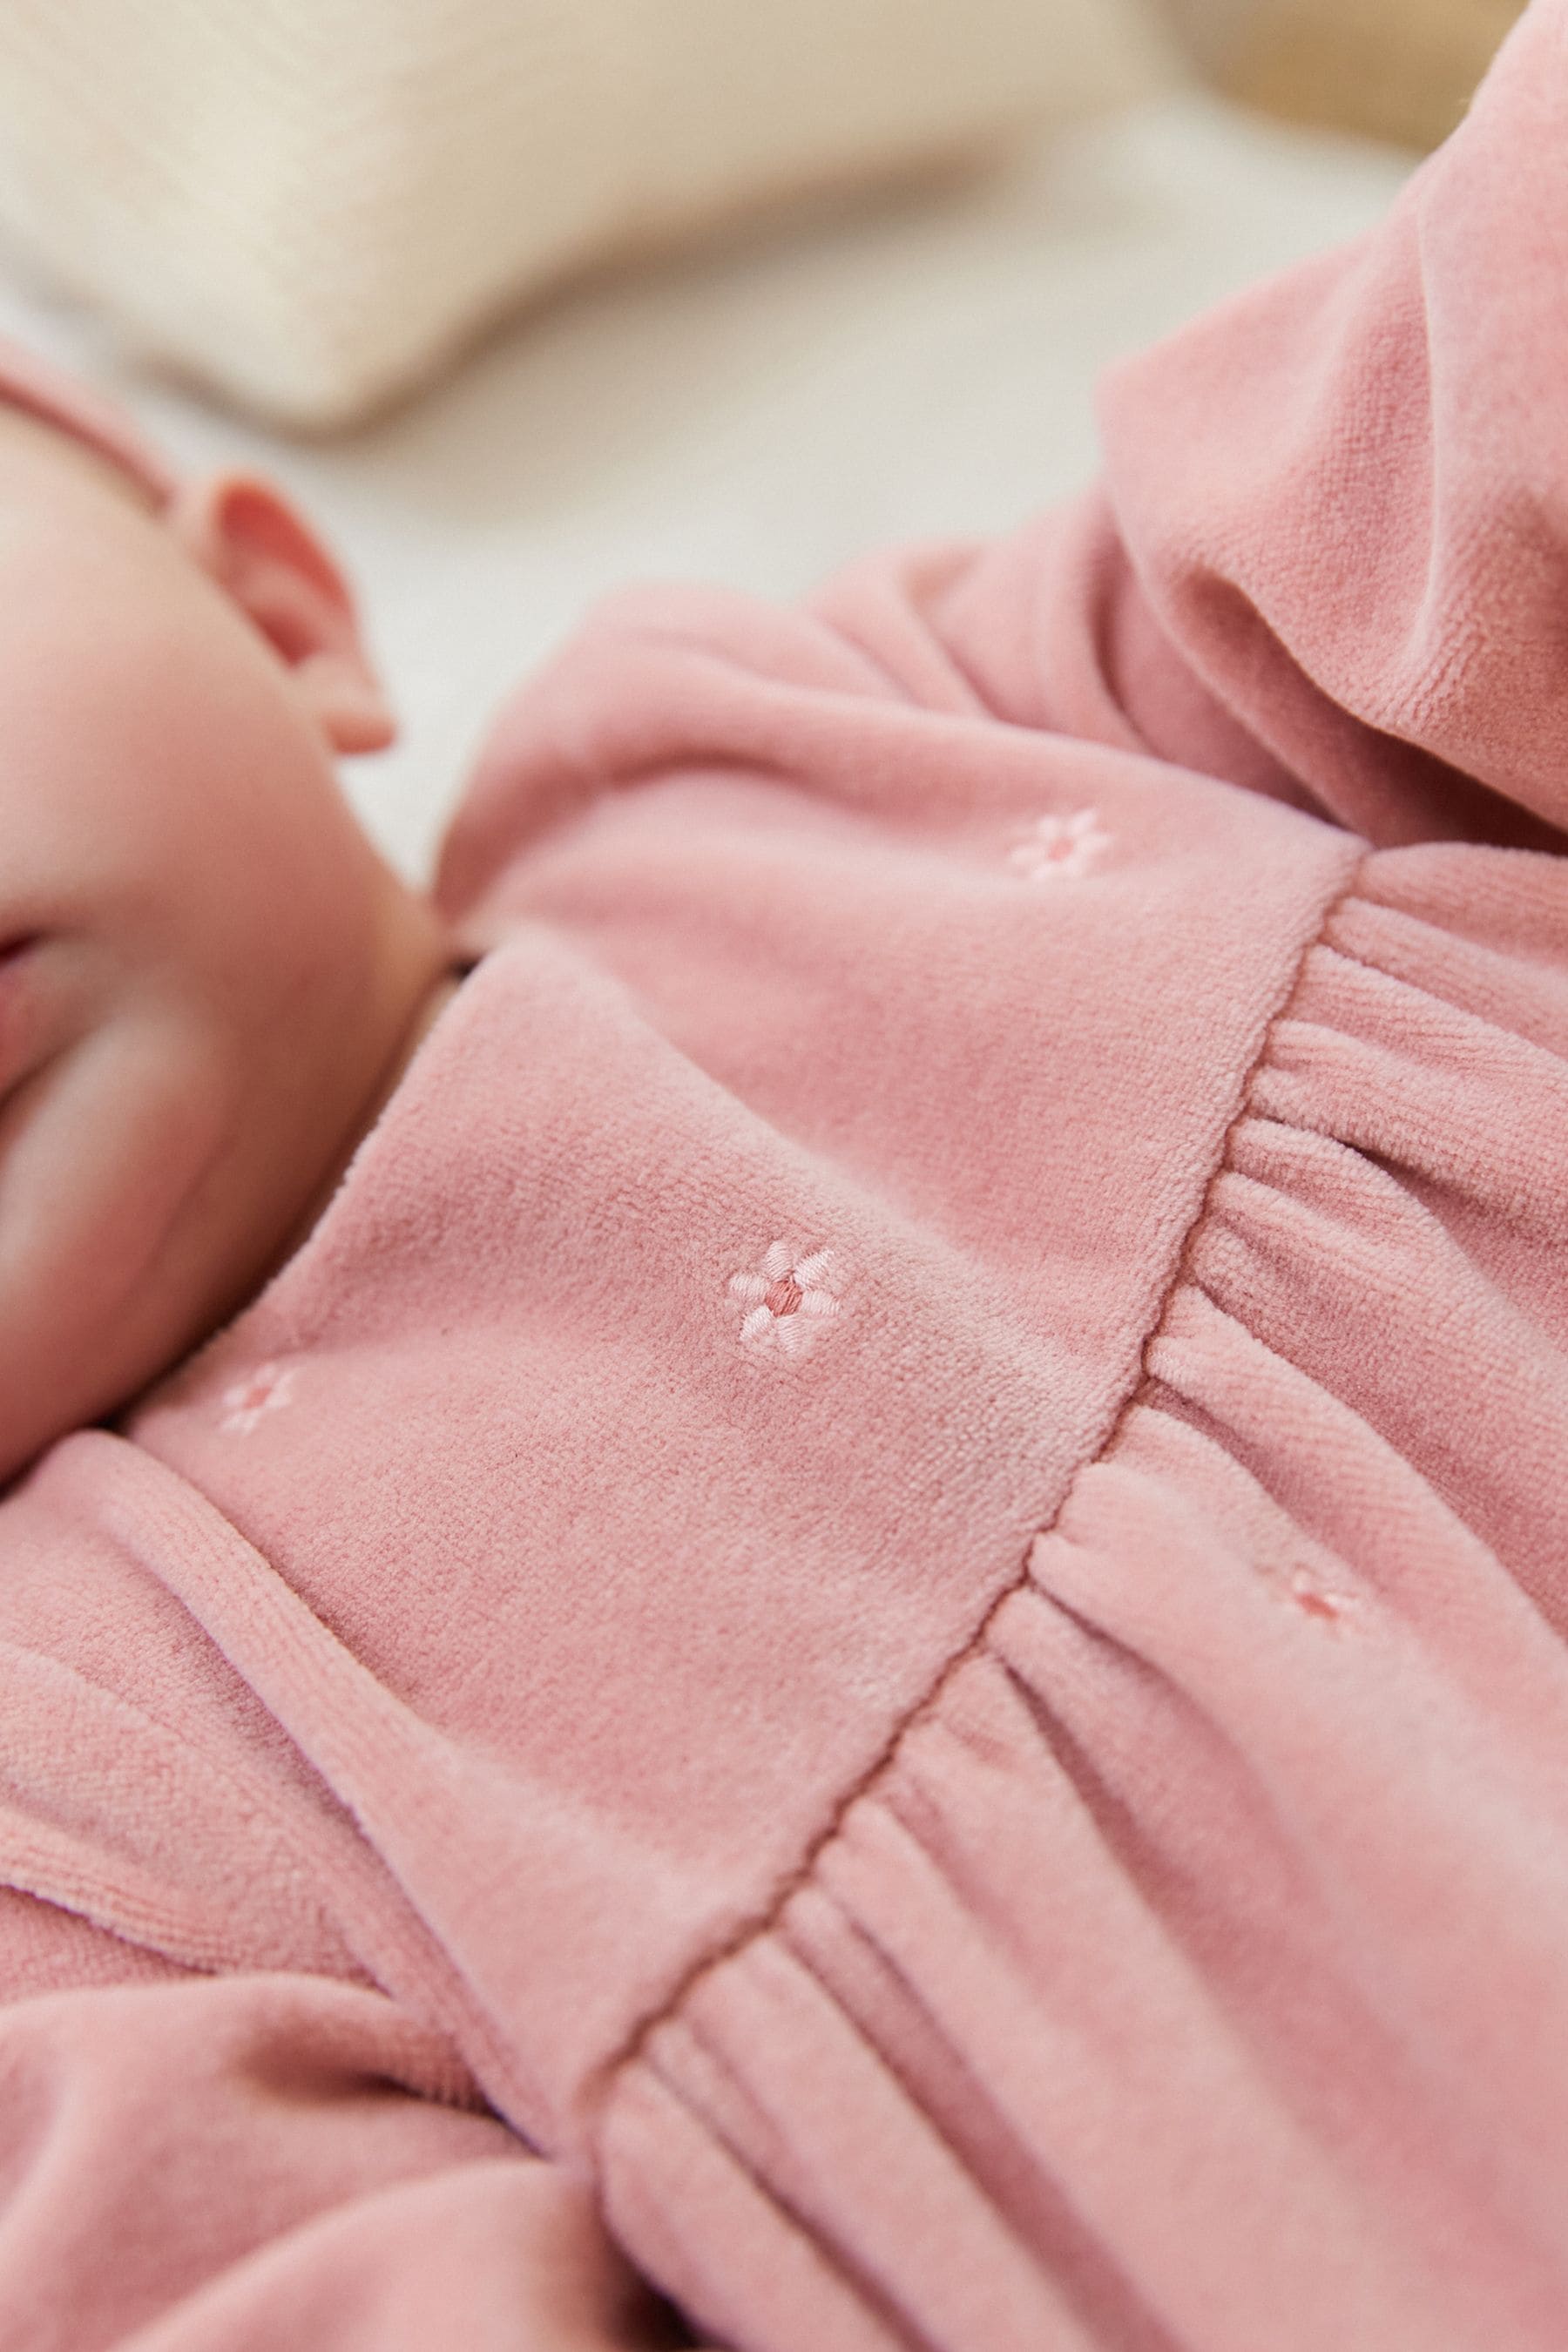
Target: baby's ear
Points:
(252, 542)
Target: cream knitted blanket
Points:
(308, 204)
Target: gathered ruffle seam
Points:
(767, 1917)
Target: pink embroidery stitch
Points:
(787, 1301)
(260, 1391)
(1327, 1607)
(1061, 848)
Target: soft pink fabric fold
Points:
(875, 1631)
(1345, 493)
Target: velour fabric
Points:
(874, 1634)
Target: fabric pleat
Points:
(1219, 1892)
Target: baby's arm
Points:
(224, 2164)
(1329, 560)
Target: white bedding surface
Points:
(759, 412)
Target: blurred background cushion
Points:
(1395, 69)
(308, 204)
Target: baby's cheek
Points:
(107, 1227)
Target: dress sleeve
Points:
(1344, 497)
(1328, 561)
(1328, 557)
(254, 2163)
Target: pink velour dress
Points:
(876, 1630)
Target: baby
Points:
(843, 1620)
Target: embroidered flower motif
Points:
(1061, 848)
(1328, 1608)
(787, 1301)
(260, 1392)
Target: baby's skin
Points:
(210, 980)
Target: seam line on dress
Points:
(768, 1914)
(158, 1934)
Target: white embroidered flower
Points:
(1061, 848)
(260, 1391)
(786, 1303)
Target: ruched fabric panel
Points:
(1196, 1973)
